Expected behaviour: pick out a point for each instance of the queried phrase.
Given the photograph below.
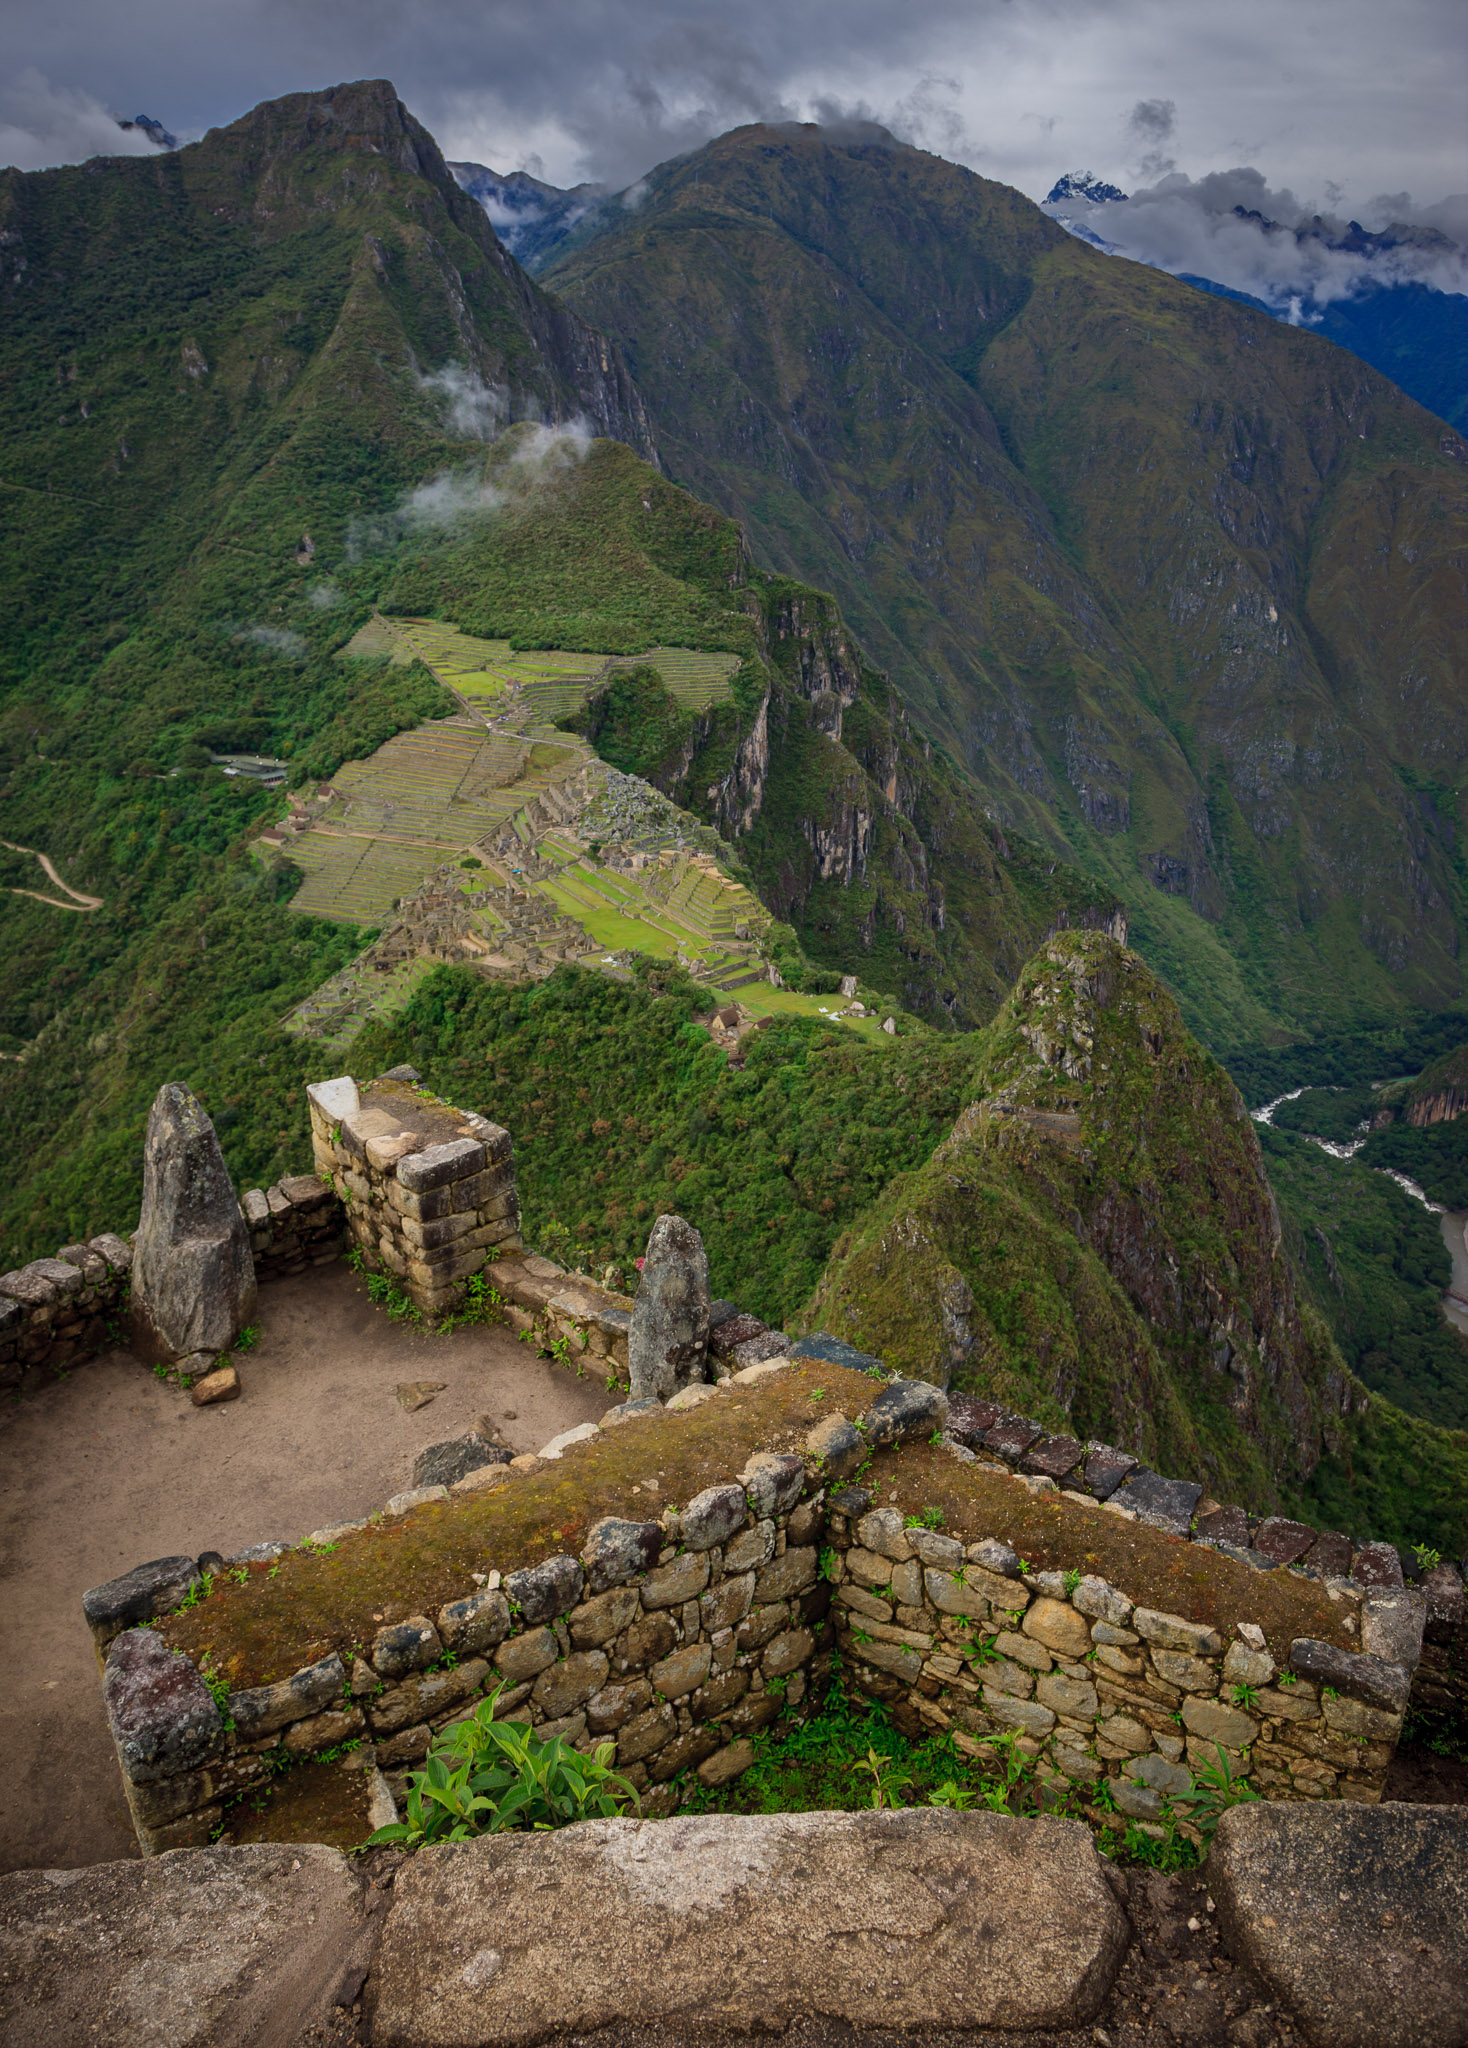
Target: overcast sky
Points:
(1340, 100)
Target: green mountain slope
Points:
(248, 391)
(1183, 588)
(1096, 1243)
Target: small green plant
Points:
(199, 1592)
(248, 1338)
(888, 1782)
(1246, 1695)
(1071, 1580)
(1024, 1565)
(1328, 1692)
(1287, 1679)
(829, 1565)
(818, 1393)
(218, 1692)
(936, 1437)
(1427, 1558)
(485, 1776)
(1217, 1787)
(959, 1797)
(930, 1518)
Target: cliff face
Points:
(1097, 1242)
(1439, 1095)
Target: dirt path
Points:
(80, 899)
(110, 1467)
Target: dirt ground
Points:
(110, 1466)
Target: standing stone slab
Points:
(193, 1275)
(194, 1949)
(667, 1347)
(1356, 1916)
(905, 1921)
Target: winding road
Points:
(80, 899)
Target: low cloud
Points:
(322, 596)
(471, 409)
(535, 455)
(1292, 253)
(42, 125)
(290, 646)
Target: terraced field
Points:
(546, 683)
(396, 816)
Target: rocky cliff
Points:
(1097, 1241)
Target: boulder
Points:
(906, 1409)
(667, 1348)
(190, 1949)
(162, 1714)
(1355, 1916)
(903, 1921)
(618, 1550)
(193, 1275)
(146, 1591)
(443, 1464)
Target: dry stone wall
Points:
(675, 1640)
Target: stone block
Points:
(1124, 1733)
(219, 1944)
(726, 1764)
(1055, 1457)
(260, 1710)
(615, 1705)
(787, 1650)
(1026, 1715)
(1283, 1540)
(1392, 1623)
(772, 1482)
(1377, 1564)
(668, 1339)
(682, 1579)
(475, 1623)
(142, 1594)
(525, 1656)
(569, 1683)
(837, 1447)
(1093, 1596)
(323, 1731)
(681, 1672)
(720, 1696)
(1374, 1947)
(755, 1547)
(1175, 1632)
(405, 1646)
(193, 1272)
(1349, 1717)
(1057, 1625)
(1188, 1674)
(604, 1616)
(1106, 1469)
(646, 1641)
(785, 1576)
(728, 1603)
(1068, 1696)
(951, 1594)
(541, 1592)
(223, 1384)
(906, 1411)
(1371, 1680)
(1166, 1504)
(437, 1165)
(163, 1717)
(1211, 1721)
(713, 1516)
(882, 1531)
(645, 1735)
(902, 1662)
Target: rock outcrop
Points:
(193, 1274)
(668, 1345)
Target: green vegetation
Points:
(1350, 1059)
(1376, 1265)
(621, 1107)
(485, 1776)
(1434, 1155)
(637, 724)
(1333, 1113)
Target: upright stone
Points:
(668, 1343)
(193, 1280)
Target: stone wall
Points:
(429, 1190)
(961, 1637)
(57, 1313)
(674, 1639)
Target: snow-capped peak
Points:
(1082, 185)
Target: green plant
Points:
(218, 1692)
(1428, 1558)
(484, 1776)
(829, 1565)
(888, 1782)
(1328, 1692)
(1287, 1679)
(248, 1338)
(930, 1518)
(1246, 1695)
(959, 1797)
(1072, 1579)
(1217, 1787)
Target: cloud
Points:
(527, 458)
(473, 410)
(42, 124)
(290, 646)
(1233, 227)
(1152, 123)
(322, 596)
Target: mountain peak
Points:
(1082, 185)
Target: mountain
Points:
(249, 391)
(529, 217)
(1183, 587)
(1096, 1243)
(1414, 332)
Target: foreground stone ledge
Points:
(908, 1920)
(196, 1948)
(1356, 1916)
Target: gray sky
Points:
(1339, 100)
